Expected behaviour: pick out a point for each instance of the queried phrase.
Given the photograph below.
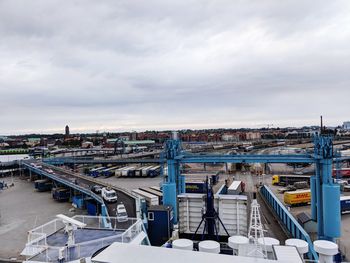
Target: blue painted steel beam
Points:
(65, 182)
(245, 159)
(61, 161)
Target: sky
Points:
(143, 65)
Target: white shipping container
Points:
(232, 210)
(138, 172)
(150, 198)
(146, 169)
(234, 188)
(118, 172)
(126, 171)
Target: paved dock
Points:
(22, 208)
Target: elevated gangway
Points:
(67, 177)
(288, 221)
(69, 184)
(75, 160)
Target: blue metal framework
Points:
(69, 184)
(325, 208)
(72, 160)
(290, 223)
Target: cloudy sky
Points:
(137, 65)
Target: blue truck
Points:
(95, 172)
(61, 194)
(43, 185)
(344, 204)
(110, 171)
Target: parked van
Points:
(109, 195)
(121, 214)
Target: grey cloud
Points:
(161, 64)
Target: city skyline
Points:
(120, 131)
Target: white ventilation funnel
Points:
(183, 244)
(326, 250)
(209, 246)
(301, 245)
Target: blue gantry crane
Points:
(325, 205)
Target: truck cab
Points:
(109, 195)
(275, 179)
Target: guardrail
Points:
(287, 219)
(37, 248)
(65, 182)
(79, 160)
(93, 180)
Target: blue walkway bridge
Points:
(69, 184)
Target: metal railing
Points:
(38, 249)
(287, 219)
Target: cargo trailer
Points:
(150, 198)
(196, 187)
(145, 170)
(43, 185)
(128, 172)
(96, 171)
(131, 172)
(285, 180)
(109, 171)
(138, 172)
(40, 181)
(299, 197)
(61, 194)
(153, 192)
(119, 171)
(154, 171)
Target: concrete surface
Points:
(22, 209)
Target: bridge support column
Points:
(174, 184)
(103, 210)
(326, 198)
(313, 198)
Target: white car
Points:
(121, 213)
(109, 195)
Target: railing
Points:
(38, 249)
(287, 219)
(133, 231)
(88, 178)
(64, 181)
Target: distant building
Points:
(133, 136)
(230, 137)
(67, 130)
(33, 142)
(253, 136)
(87, 144)
(346, 125)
